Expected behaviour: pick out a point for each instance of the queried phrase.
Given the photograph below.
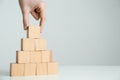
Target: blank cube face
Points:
(40, 44)
(30, 70)
(53, 68)
(42, 69)
(47, 56)
(33, 32)
(17, 69)
(27, 44)
(35, 57)
(23, 56)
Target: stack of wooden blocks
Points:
(34, 58)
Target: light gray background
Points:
(80, 32)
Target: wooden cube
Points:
(23, 56)
(33, 32)
(47, 56)
(40, 44)
(30, 70)
(16, 69)
(42, 69)
(27, 44)
(35, 57)
(53, 68)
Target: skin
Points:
(34, 7)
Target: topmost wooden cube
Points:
(33, 32)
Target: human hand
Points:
(36, 8)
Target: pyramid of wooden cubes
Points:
(33, 58)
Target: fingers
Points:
(35, 15)
(42, 15)
(24, 13)
(25, 20)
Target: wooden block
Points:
(40, 44)
(23, 56)
(30, 70)
(47, 56)
(42, 69)
(33, 32)
(35, 57)
(27, 44)
(16, 69)
(52, 68)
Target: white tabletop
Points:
(74, 73)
